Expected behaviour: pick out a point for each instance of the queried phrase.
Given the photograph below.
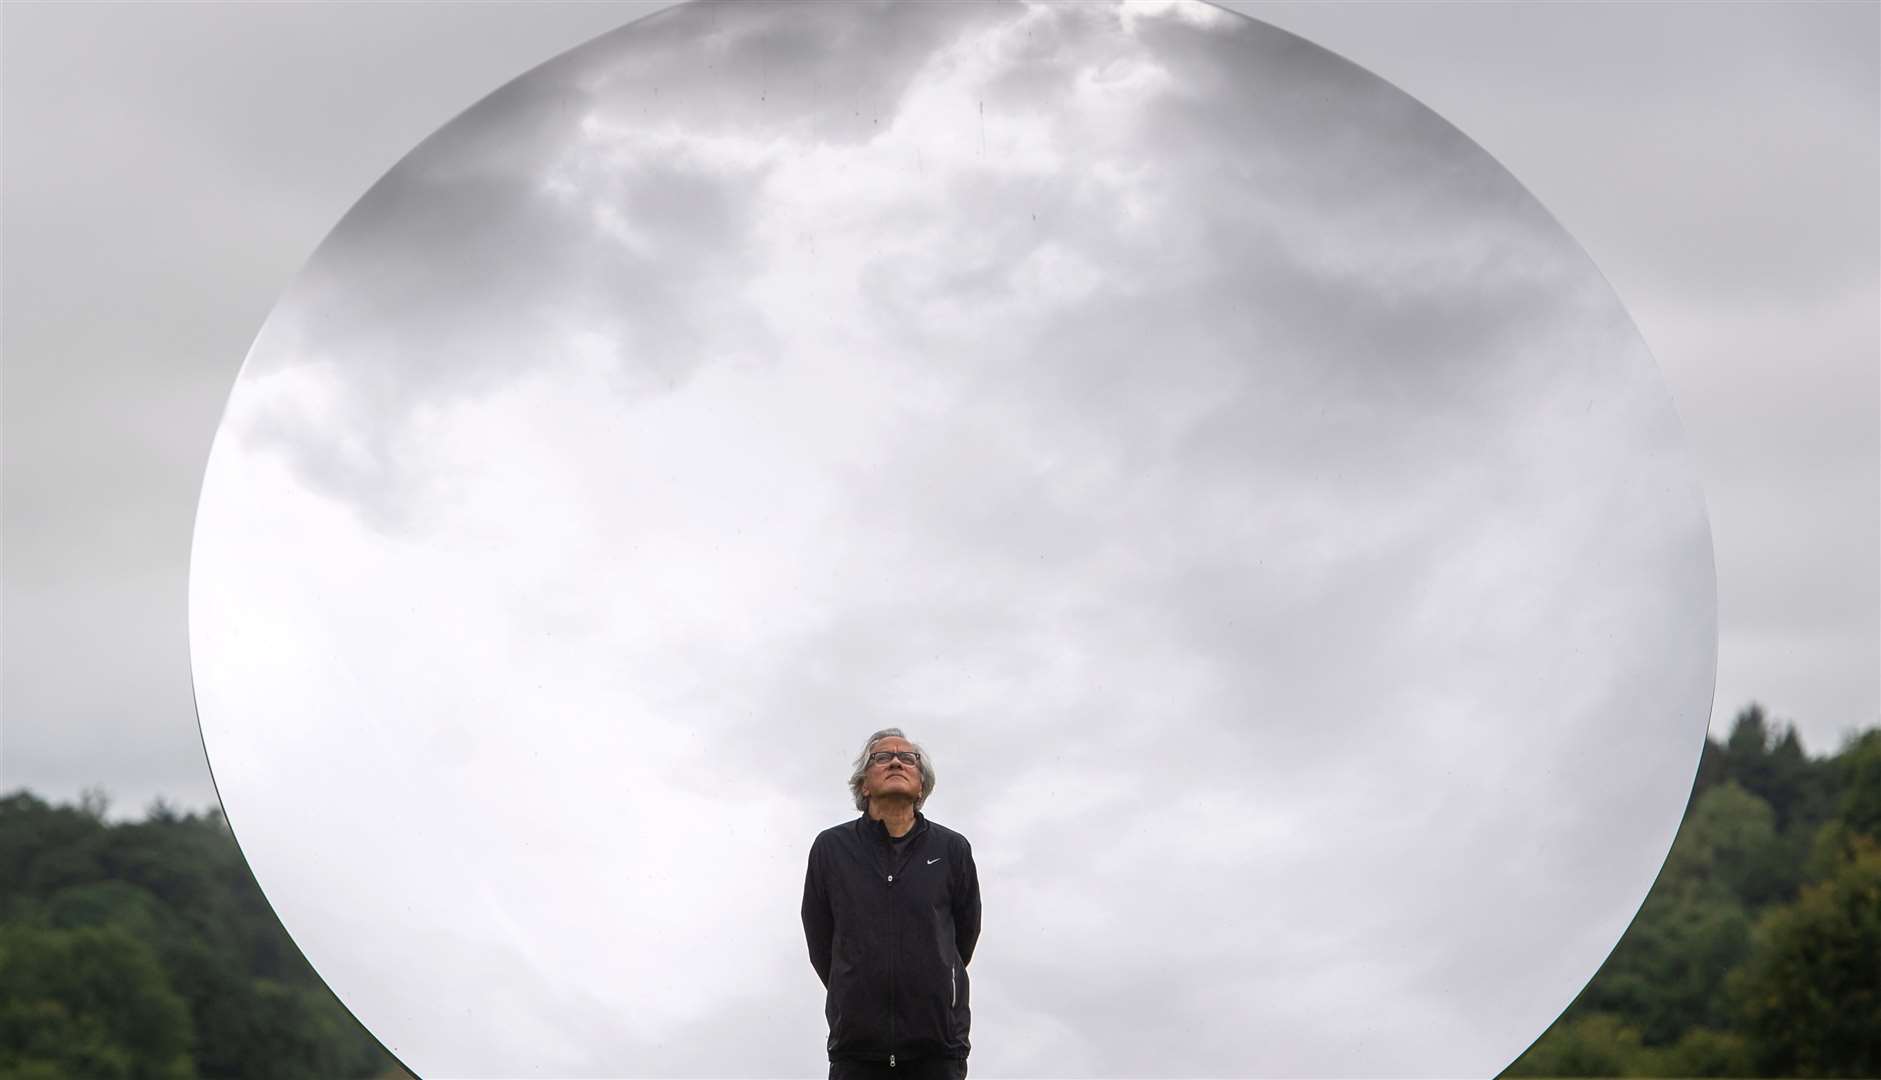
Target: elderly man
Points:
(891, 909)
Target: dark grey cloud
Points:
(813, 71)
(459, 273)
(465, 268)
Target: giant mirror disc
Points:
(1265, 514)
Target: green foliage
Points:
(1859, 772)
(1595, 1044)
(297, 1033)
(1755, 953)
(1809, 997)
(91, 1002)
(146, 950)
(1700, 1052)
(1728, 848)
(1771, 765)
(43, 848)
(1710, 768)
(1666, 974)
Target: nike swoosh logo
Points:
(931, 862)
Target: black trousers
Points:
(931, 1069)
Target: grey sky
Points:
(1719, 169)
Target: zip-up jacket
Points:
(890, 936)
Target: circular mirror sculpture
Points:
(1262, 510)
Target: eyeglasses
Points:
(883, 757)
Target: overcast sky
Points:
(1718, 164)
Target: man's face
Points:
(895, 777)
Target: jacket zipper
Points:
(892, 980)
(891, 975)
(953, 988)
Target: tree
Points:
(43, 847)
(1666, 974)
(1745, 747)
(1702, 1052)
(1791, 794)
(1769, 762)
(94, 803)
(90, 1002)
(1711, 769)
(190, 928)
(1809, 997)
(1734, 848)
(1858, 770)
(301, 1033)
(1596, 1044)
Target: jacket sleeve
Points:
(966, 904)
(819, 925)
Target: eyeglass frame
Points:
(906, 757)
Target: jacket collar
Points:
(875, 830)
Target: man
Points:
(891, 909)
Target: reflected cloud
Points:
(1264, 511)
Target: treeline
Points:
(145, 951)
(1758, 951)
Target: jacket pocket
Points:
(958, 991)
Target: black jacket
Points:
(890, 938)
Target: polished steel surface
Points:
(1265, 514)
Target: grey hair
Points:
(862, 768)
